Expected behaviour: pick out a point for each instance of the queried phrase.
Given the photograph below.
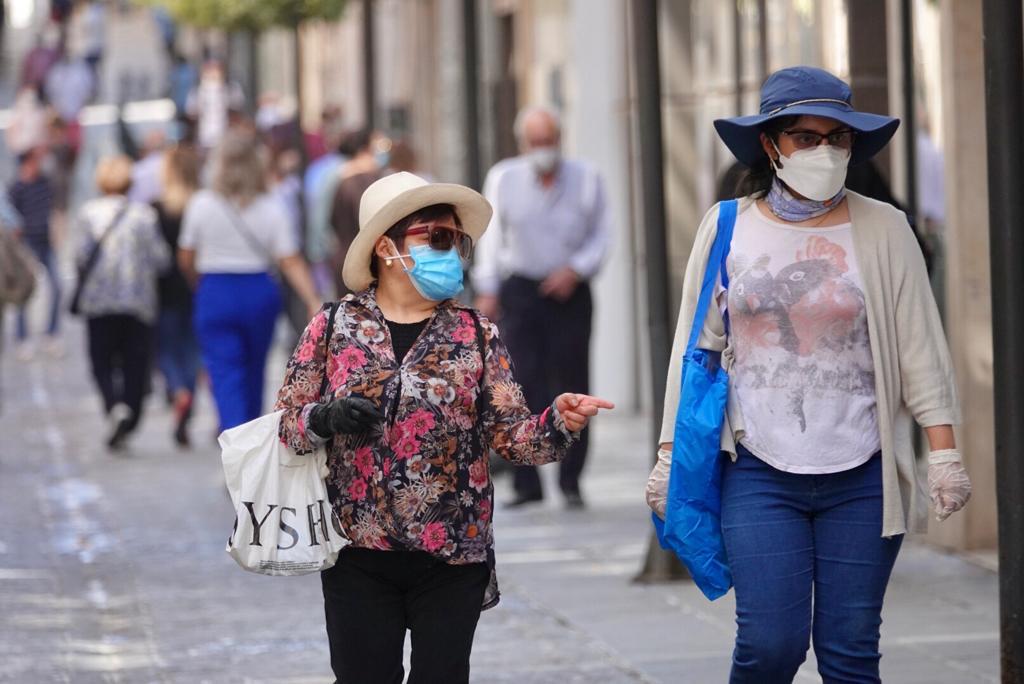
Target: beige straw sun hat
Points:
(394, 197)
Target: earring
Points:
(388, 263)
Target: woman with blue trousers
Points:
(834, 347)
(232, 237)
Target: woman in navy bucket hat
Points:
(833, 345)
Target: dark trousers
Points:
(808, 564)
(549, 342)
(119, 350)
(177, 350)
(372, 597)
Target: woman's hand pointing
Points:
(577, 409)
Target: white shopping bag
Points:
(284, 522)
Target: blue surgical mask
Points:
(437, 275)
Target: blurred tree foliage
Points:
(250, 15)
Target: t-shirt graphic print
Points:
(802, 372)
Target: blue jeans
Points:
(234, 318)
(177, 350)
(44, 253)
(807, 561)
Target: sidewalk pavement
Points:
(112, 569)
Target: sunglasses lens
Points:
(443, 239)
(440, 239)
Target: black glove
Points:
(345, 416)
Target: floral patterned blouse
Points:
(415, 482)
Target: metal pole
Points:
(737, 55)
(659, 565)
(762, 40)
(1004, 110)
(369, 65)
(909, 122)
(471, 62)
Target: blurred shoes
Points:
(524, 500)
(574, 501)
(120, 426)
(182, 413)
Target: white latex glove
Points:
(657, 483)
(948, 484)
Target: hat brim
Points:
(742, 134)
(473, 210)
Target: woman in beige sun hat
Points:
(411, 389)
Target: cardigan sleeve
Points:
(927, 380)
(712, 335)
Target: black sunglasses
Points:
(443, 238)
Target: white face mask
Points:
(544, 159)
(817, 174)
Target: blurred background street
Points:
(112, 563)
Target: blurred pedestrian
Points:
(183, 79)
(320, 185)
(121, 241)
(354, 177)
(833, 342)
(210, 102)
(546, 241)
(28, 126)
(402, 157)
(232, 237)
(177, 347)
(419, 390)
(32, 197)
(93, 34)
(147, 175)
(324, 139)
(38, 61)
(69, 86)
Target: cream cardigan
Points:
(913, 372)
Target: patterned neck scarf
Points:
(788, 208)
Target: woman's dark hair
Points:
(352, 142)
(758, 179)
(434, 212)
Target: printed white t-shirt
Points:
(211, 227)
(803, 372)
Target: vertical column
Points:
(1003, 25)
(968, 288)
(597, 126)
(869, 61)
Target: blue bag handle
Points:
(716, 265)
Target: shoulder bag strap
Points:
(94, 256)
(328, 334)
(238, 221)
(94, 253)
(715, 265)
(481, 399)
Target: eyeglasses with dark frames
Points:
(805, 140)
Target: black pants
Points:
(372, 597)
(120, 349)
(549, 342)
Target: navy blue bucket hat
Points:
(805, 90)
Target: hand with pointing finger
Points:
(577, 409)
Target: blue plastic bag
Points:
(692, 527)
